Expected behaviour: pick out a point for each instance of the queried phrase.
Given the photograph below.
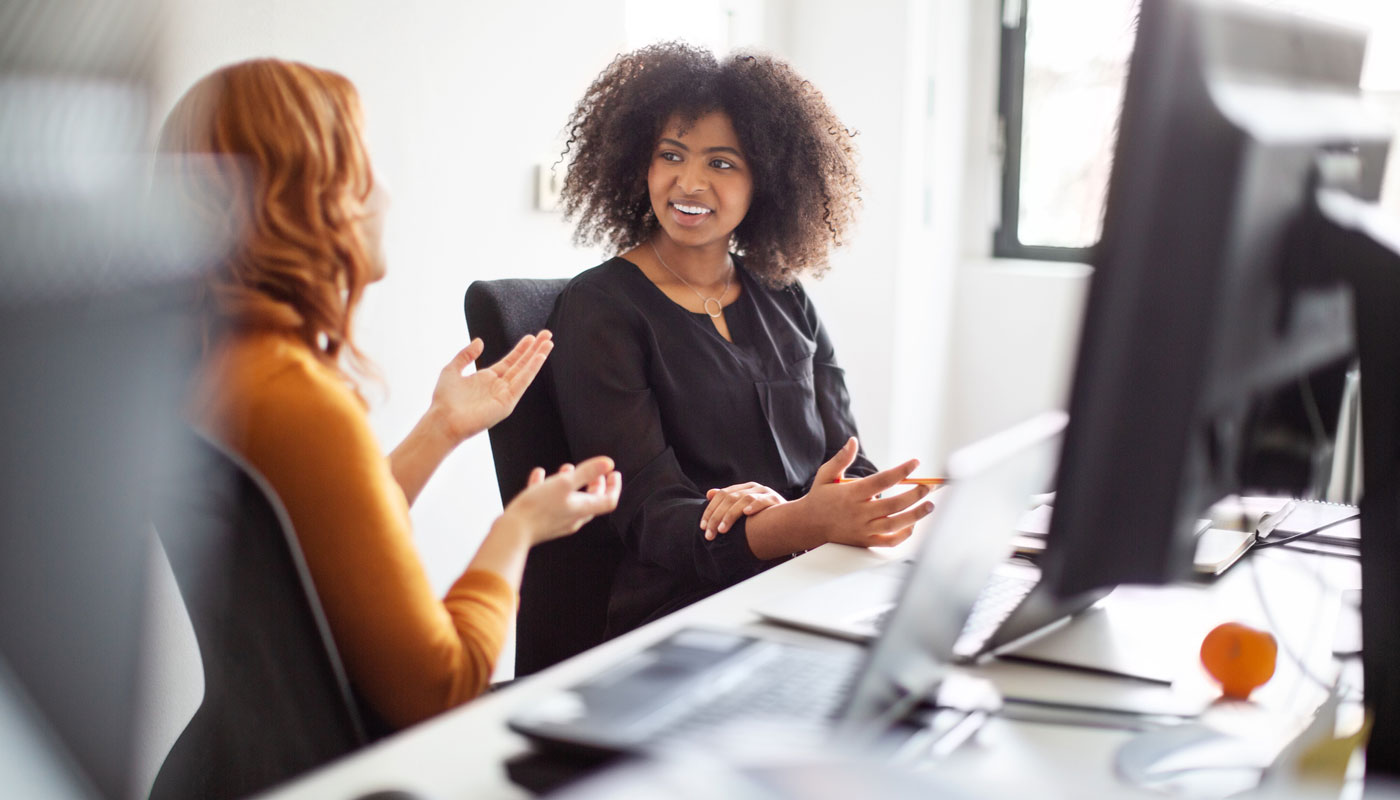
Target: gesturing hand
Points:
(853, 512)
(549, 508)
(727, 504)
(469, 404)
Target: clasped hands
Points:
(851, 512)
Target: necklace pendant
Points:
(718, 310)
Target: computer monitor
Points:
(1241, 250)
(98, 339)
(1197, 306)
(87, 411)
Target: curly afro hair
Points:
(805, 186)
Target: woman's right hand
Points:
(849, 512)
(852, 512)
(548, 508)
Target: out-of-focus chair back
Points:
(276, 699)
(567, 582)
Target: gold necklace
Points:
(704, 301)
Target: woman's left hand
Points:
(465, 405)
(727, 504)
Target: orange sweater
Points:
(409, 654)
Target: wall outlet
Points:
(548, 182)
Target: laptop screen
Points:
(964, 539)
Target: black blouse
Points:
(682, 410)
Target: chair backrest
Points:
(276, 699)
(564, 592)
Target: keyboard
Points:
(996, 602)
(796, 686)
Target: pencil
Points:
(907, 481)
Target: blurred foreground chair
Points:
(276, 700)
(567, 582)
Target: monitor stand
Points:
(1362, 247)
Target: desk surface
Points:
(461, 753)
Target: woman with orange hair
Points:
(292, 180)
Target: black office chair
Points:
(1290, 435)
(276, 699)
(565, 589)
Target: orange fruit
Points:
(1239, 657)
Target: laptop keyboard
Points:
(795, 685)
(996, 602)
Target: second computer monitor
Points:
(1204, 295)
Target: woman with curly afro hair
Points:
(694, 358)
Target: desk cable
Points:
(1284, 645)
(1295, 537)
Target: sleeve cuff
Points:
(732, 550)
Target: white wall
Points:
(885, 299)
(941, 343)
(827, 41)
(1015, 328)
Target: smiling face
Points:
(699, 181)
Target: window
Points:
(1063, 65)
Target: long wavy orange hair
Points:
(291, 200)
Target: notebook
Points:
(1218, 549)
(699, 681)
(1336, 524)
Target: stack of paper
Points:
(1336, 525)
(1031, 530)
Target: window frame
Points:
(1011, 90)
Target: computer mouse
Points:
(394, 794)
(1194, 760)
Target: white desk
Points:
(461, 753)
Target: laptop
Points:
(701, 680)
(1011, 607)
